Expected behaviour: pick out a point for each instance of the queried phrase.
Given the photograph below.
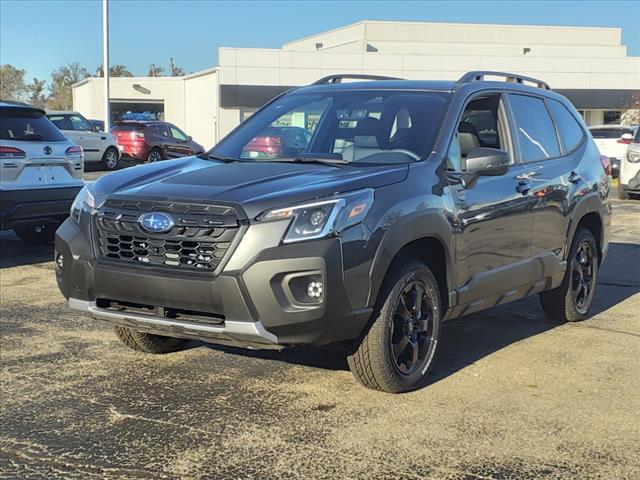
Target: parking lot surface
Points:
(512, 396)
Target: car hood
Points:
(255, 186)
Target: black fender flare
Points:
(419, 225)
(587, 205)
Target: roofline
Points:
(403, 22)
(184, 77)
(200, 73)
(576, 27)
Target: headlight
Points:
(86, 197)
(319, 219)
(633, 157)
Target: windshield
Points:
(27, 125)
(373, 126)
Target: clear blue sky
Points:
(39, 36)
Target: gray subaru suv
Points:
(408, 203)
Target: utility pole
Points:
(105, 62)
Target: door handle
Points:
(575, 178)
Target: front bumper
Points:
(250, 303)
(35, 205)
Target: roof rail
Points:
(340, 76)
(478, 75)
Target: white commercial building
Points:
(588, 65)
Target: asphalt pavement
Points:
(512, 395)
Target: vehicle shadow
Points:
(14, 252)
(466, 340)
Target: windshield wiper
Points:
(333, 162)
(206, 156)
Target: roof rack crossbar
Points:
(337, 78)
(478, 75)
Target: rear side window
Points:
(61, 121)
(27, 125)
(536, 133)
(571, 133)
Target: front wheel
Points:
(572, 300)
(110, 158)
(397, 352)
(36, 233)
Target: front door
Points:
(493, 217)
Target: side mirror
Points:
(95, 128)
(189, 138)
(485, 162)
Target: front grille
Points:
(199, 240)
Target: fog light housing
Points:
(59, 261)
(315, 290)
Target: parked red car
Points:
(152, 141)
(277, 141)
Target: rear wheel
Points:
(155, 155)
(110, 158)
(147, 342)
(398, 350)
(572, 300)
(37, 233)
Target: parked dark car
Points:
(414, 202)
(153, 141)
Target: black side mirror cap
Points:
(485, 162)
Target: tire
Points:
(622, 193)
(155, 155)
(147, 342)
(110, 158)
(37, 234)
(566, 303)
(380, 361)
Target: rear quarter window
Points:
(22, 124)
(570, 131)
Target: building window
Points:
(611, 117)
(246, 113)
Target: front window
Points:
(80, 124)
(368, 127)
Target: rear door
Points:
(91, 142)
(550, 154)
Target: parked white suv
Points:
(40, 173)
(610, 142)
(630, 169)
(98, 146)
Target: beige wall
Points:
(277, 67)
(201, 107)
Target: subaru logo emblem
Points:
(47, 150)
(156, 222)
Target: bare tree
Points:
(155, 70)
(175, 70)
(61, 80)
(12, 84)
(37, 96)
(114, 71)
